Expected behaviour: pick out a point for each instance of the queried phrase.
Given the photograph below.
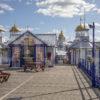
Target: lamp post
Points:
(93, 56)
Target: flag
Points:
(91, 26)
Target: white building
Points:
(49, 41)
(80, 51)
(61, 54)
(81, 45)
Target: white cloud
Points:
(97, 10)
(5, 7)
(64, 8)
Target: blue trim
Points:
(85, 57)
(99, 61)
(93, 55)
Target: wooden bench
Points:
(4, 76)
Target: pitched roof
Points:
(26, 33)
(50, 39)
(81, 44)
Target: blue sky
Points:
(43, 16)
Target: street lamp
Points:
(93, 56)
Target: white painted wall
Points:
(82, 53)
(72, 57)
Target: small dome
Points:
(61, 35)
(2, 30)
(14, 29)
(81, 27)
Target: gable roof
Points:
(81, 44)
(28, 33)
(50, 39)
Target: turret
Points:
(61, 37)
(61, 40)
(82, 32)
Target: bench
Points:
(4, 76)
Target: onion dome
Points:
(81, 27)
(61, 36)
(14, 29)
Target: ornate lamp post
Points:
(93, 56)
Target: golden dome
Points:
(14, 29)
(61, 35)
(2, 30)
(81, 27)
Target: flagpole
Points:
(93, 56)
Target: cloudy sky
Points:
(43, 16)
